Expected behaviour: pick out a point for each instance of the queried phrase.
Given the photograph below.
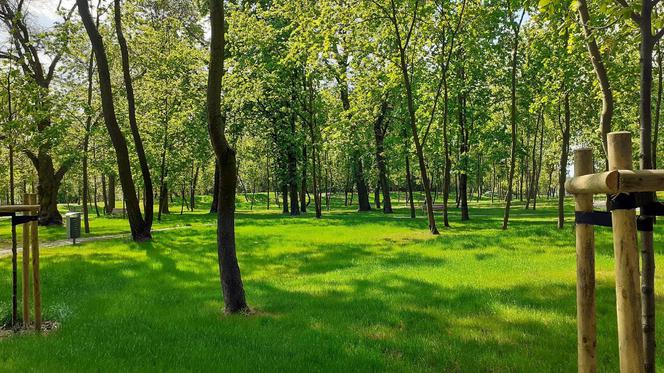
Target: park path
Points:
(61, 243)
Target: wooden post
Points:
(34, 233)
(585, 271)
(628, 292)
(26, 267)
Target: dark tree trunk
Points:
(284, 194)
(86, 143)
(163, 172)
(539, 168)
(564, 153)
(447, 168)
(214, 207)
(303, 187)
(602, 75)
(361, 185)
(510, 180)
(231, 280)
(409, 183)
(139, 229)
(111, 194)
(192, 191)
(646, 162)
(380, 130)
(148, 203)
(463, 149)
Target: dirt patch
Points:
(47, 327)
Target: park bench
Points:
(117, 211)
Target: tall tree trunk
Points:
(510, 180)
(658, 106)
(646, 162)
(86, 141)
(111, 194)
(163, 171)
(601, 73)
(447, 168)
(139, 229)
(192, 190)
(148, 203)
(463, 150)
(415, 133)
(361, 185)
(303, 187)
(409, 183)
(564, 153)
(284, 194)
(231, 280)
(214, 207)
(380, 129)
(539, 169)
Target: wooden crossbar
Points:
(617, 181)
(19, 208)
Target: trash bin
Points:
(73, 225)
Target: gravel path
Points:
(60, 243)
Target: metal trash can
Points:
(73, 225)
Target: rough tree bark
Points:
(602, 75)
(139, 230)
(510, 180)
(380, 130)
(148, 202)
(231, 280)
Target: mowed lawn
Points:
(350, 292)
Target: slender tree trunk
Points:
(214, 207)
(267, 171)
(303, 187)
(148, 203)
(463, 149)
(192, 193)
(284, 193)
(111, 194)
(510, 180)
(229, 269)
(658, 106)
(646, 162)
(602, 75)
(447, 171)
(409, 184)
(139, 229)
(564, 153)
(539, 169)
(86, 143)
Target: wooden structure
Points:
(28, 219)
(621, 182)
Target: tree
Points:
(516, 29)
(29, 57)
(140, 231)
(231, 280)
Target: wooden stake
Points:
(26, 268)
(628, 292)
(585, 271)
(34, 233)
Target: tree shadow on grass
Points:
(136, 314)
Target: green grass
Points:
(349, 292)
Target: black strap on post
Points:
(623, 201)
(653, 209)
(599, 218)
(645, 223)
(22, 219)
